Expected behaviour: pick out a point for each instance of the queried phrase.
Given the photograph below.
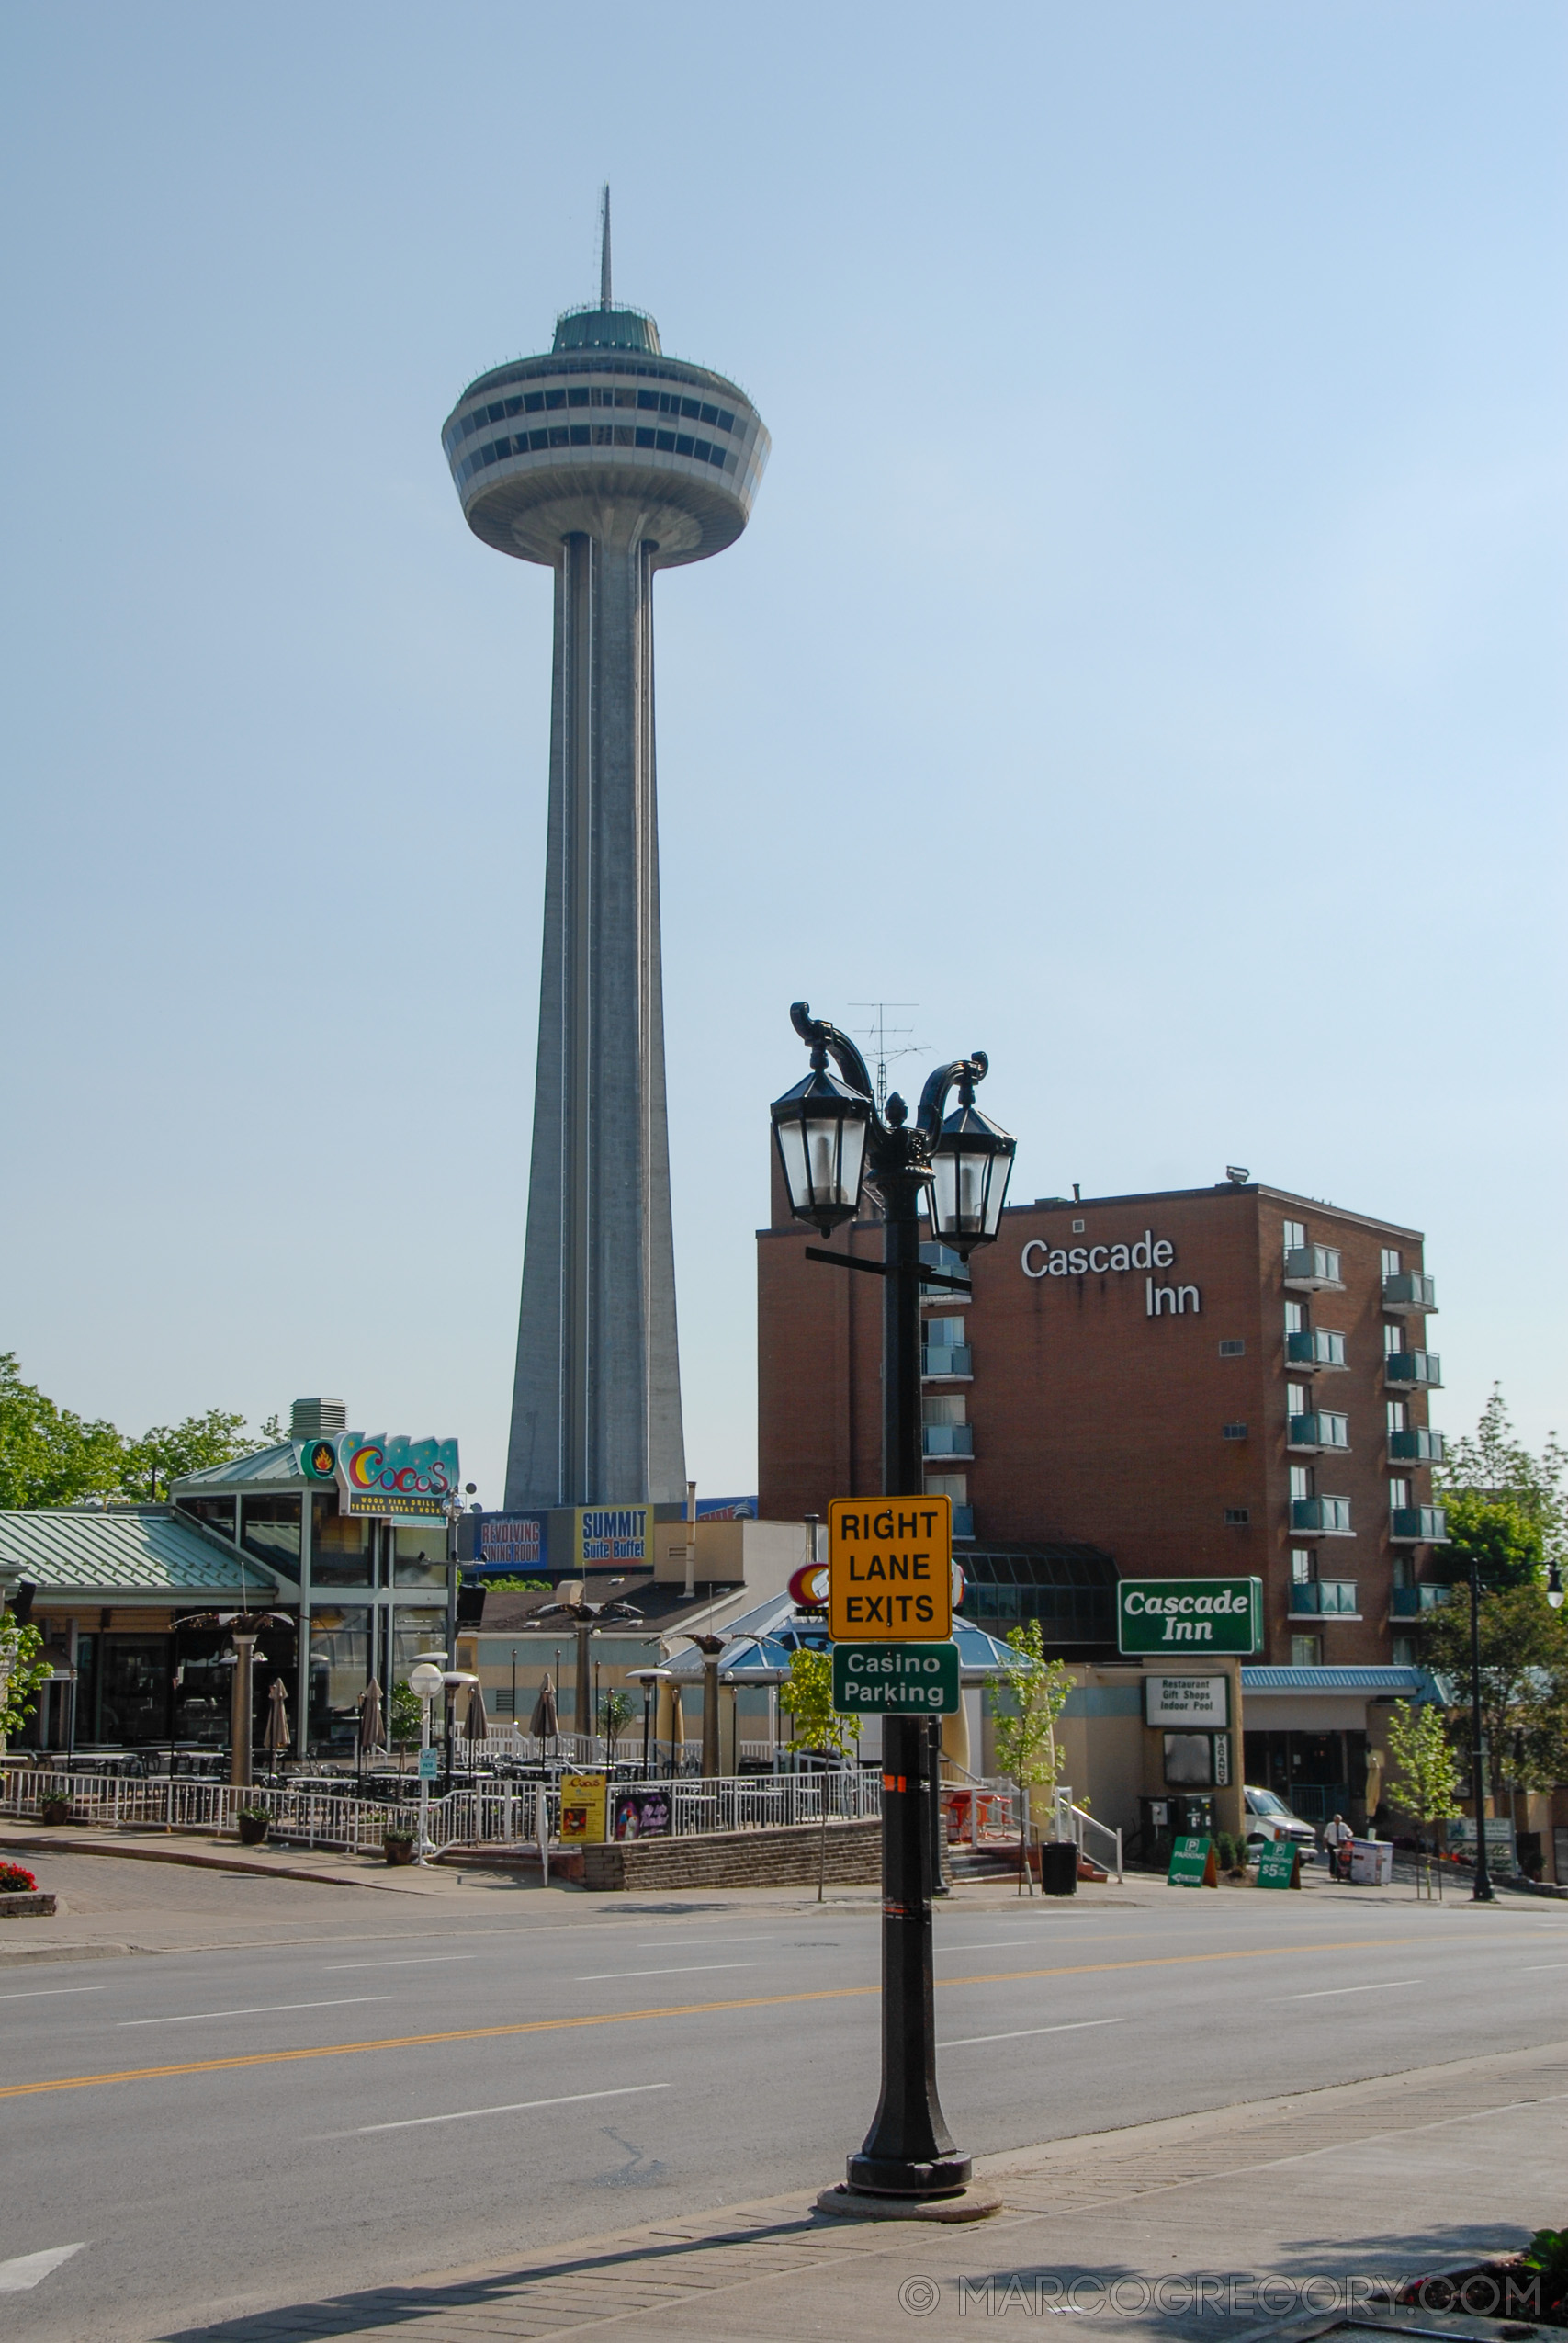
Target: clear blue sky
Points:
(1146, 655)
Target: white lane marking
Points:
(42, 1992)
(687, 1969)
(258, 2009)
(515, 2106)
(987, 1944)
(1332, 1992)
(1540, 1968)
(1079, 2025)
(28, 2269)
(414, 1960)
(699, 1943)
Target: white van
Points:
(1267, 1816)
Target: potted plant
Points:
(54, 1801)
(252, 1822)
(399, 1838)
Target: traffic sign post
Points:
(890, 1571)
(896, 1679)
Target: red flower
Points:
(15, 1880)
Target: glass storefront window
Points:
(342, 1544)
(340, 1670)
(270, 1528)
(216, 1513)
(419, 1557)
(135, 1701)
(413, 1632)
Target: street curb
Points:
(143, 1853)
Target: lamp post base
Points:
(970, 2203)
(881, 2176)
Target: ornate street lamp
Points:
(1554, 1586)
(953, 1176)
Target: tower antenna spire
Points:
(604, 249)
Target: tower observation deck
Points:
(607, 461)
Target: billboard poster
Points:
(583, 1809)
(613, 1533)
(642, 1813)
(513, 1541)
(726, 1509)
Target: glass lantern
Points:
(972, 1161)
(819, 1129)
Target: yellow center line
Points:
(677, 2010)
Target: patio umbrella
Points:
(677, 1722)
(275, 1741)
(476, 1726)
(372, 1732)
(545, 1724)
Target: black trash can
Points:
(1058, 1867)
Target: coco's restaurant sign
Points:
(1181, 1617)
(1148, 1253)
(389, 1478)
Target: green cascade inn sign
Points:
(1190, 1615)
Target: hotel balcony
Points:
(951, 1360)
(1410, 1292)
(964, 1521)
(1315, 1432)
(1417, 1526)
(1314, 1269)
(1413, 1603)
(948, 1439)
(1324, 1598)
(1321, 1517)
(1417, 1447)
(1423, 1369)
(1318, 1351)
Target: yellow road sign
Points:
(890, 1569)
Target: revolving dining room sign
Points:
(387, 1479)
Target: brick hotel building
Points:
(1195, 1382)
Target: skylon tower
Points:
(607, 461)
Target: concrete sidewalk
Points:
(1366, 2182)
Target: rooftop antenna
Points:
(878, 1035)
(605, 248)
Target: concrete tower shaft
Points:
(607, 461)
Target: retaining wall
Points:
(777, 1858)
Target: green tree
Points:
(806, 1694)
(1524, 1681)
(618, 1713)
(21, 1672)
(404, 1719)
(1506, 1542)
(1424, 1780)
(1492, 1464)
(157, 1460)
(1027, 1750)
(48, 1455)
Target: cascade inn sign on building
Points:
(1150, 1252)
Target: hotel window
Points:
(1300, 1565)
(954, 1485)
(947, 1333)
(1301, 1483)
(1398, 1416)
(943, 1408)
(1233, 1431)
(1390, 1262)
(1238, 1517)
(1392, 1340)
(1306, 1651)
(1403, 1652)
(1295, 1317)
(1233, 1348)
(1398, 1493)
(1297, 1400)
(1295, 1236)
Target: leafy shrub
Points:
(1547, 2254)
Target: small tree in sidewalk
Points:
(808, 1694)
(1425, 1774)
(1027, 1749)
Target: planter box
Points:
(786, 1855)
(39, 1902)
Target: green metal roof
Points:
(267, 1467)
(105, 1555)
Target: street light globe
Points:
(972, 1160)
(819, 1129)
(425, 1681)
(1554, 1586)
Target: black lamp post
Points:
(952, 1175)
(1482, 1891)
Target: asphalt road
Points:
(221, 2131)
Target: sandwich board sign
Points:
(896, 1679)
(1190, 1618)
(1194, 1863)
(1280, 1865)
(890, 1569)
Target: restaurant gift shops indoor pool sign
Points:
(1190, 1615)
